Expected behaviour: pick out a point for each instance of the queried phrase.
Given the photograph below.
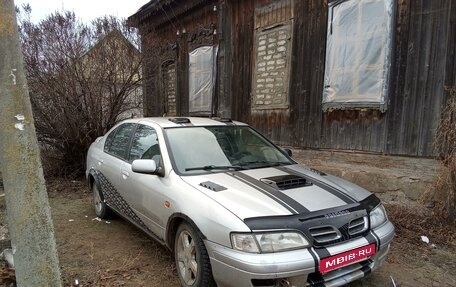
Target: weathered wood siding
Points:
(175, 32)
(423, 71)
(423, 61)
(241, 62)
(419, 74)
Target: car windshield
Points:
(220, 148)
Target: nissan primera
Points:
(235, 209)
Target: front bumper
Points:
(294, 268)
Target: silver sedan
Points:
(235, 209)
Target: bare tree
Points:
(82, 80)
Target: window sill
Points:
(327, 107)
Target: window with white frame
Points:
(358, 54)
(202, 75)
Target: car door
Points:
(109, 165)
(145, 192)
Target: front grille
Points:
(357, 225)
(323, 234)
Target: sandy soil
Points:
(114, 253)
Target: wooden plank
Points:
(242, 46)
(397, 85)
(423, 43)
(450, 77)
(224, 74)
(422, 72)
(408, 129)
(430, 102)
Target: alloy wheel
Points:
(186, 258)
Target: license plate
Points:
(343, 259)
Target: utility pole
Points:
(28, 211)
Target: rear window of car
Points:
(118, 141)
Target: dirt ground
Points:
(114, 253)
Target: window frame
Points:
(210, 111)
(257, 86)
(384, 86)
(114, 133)
(138, 126)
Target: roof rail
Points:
(180, 120)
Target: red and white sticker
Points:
(343, 259)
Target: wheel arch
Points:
(171, 228)
(92, 179)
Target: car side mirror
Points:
(147, 166)
(288, 152)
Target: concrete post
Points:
(28, 211)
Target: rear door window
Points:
(118, 141)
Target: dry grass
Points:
(411, 224)
(445, 143)
(440, 195)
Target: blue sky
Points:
(86, 10)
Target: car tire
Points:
(101, 209)
(192, 261)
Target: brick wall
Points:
(169, 82)
(271, 71)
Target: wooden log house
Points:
(363, 75)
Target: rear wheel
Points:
(101, 209)
(192, 261)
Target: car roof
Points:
(169, 122)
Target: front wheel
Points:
(192, 261)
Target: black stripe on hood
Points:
(331, 189)
(289, 203)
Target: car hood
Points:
(272, 191)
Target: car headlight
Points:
(244, 242)
(268, 242)
(377, 216)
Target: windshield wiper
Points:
(213, 167)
